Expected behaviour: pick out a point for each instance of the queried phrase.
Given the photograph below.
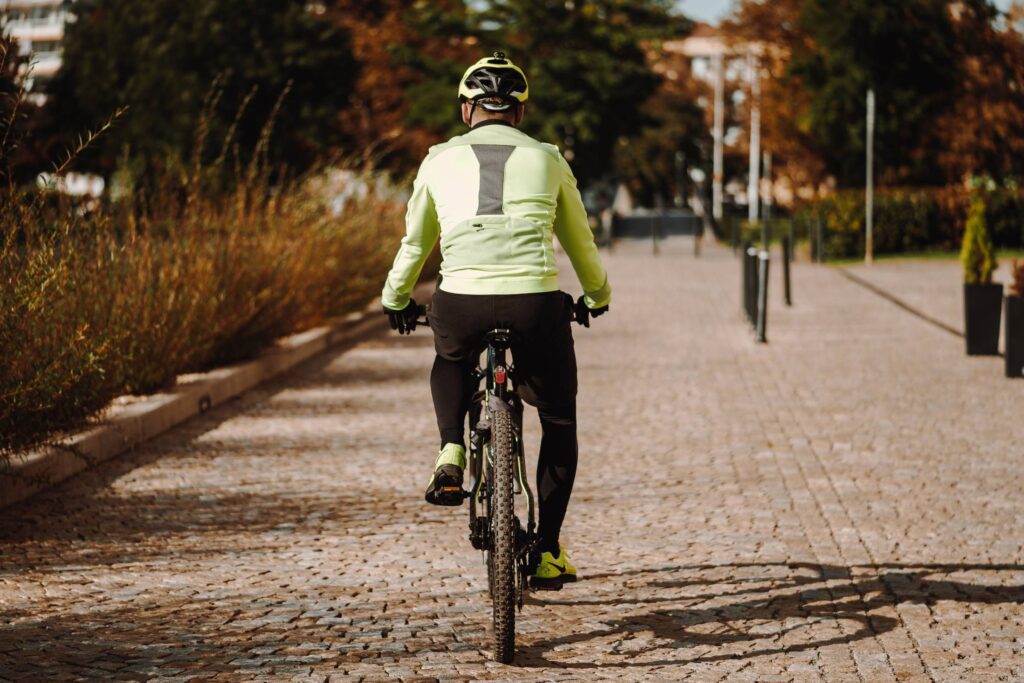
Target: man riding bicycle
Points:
(495, 197)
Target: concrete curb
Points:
(155, 414)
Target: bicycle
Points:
(496, 469)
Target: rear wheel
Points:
(502, 559)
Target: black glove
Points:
(584, 313)
(404, 320)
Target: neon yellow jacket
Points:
(495, 196)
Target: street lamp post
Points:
(754, 180)
(718, 133)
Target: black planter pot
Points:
(982, 311)
(1014, 336)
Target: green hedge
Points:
(913, 219)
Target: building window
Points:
(46, 48)
(33, 16)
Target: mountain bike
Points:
(496, 471)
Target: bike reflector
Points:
(500, 374)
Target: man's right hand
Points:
(404, 320)
(584, 313)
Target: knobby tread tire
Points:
(503, 595)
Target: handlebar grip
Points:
(421, 315)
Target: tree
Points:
(589, 74)
(672, 125)
(411, 55)
(905, 50)
(786, 123)
(163, 58)
(982, 134)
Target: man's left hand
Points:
(404, 320)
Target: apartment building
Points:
(37, 26)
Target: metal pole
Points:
(869, 188)
(654, 235)
(787, 256)
(763, 260)
(754, 180)
(718, 134)
(768, 190)
(820, 240)
(698, 235)
(749, 283)
(680, 166)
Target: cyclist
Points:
(495, 196)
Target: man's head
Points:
(493, 89)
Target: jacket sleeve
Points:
(573, 231)
(421, 232)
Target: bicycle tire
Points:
(503, 538)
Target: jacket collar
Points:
(491, 122)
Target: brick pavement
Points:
(842, 504)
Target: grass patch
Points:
(928, 255)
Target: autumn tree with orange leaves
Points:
(411, 53)
(947, 75)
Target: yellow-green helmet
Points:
(494, 77)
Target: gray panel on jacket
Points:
(492, 160)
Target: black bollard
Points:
(821, 240)
(787, 256)
(761, 329)
(698, 235)
(750, 283)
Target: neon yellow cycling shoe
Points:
(552, 572)
(445, 487)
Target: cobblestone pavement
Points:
(931, 287)
(843, 504)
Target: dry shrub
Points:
(101, 299)
(91, 308)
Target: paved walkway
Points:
(932, 288)
(843, 504)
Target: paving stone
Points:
(841, 504)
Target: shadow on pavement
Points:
(832, 604)
(89, 521)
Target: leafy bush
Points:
(976, 253)
(913, 219)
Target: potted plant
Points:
(1014, 340)
(982, 297)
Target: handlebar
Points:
(423, 309)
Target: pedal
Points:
(546, 584)
(445, 487)
(449, 496)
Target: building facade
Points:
(37, 26)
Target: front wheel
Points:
(502, 559)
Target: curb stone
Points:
(152, 415)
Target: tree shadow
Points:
(86, 520)
(845, 599)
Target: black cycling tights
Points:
(452, 389)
